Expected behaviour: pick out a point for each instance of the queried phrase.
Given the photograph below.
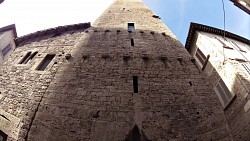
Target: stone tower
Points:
(125, 78)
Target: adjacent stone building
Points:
(125, 78)
(7, 43)
(242, 4)
(224, 57)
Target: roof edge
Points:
(199, 27)
(9, 27)
(55, 30)
(242, 7)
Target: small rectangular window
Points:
(132, 42)
(6, 49)
(135, 84)
(223, 93)
(45, 62)
(131, 27)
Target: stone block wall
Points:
(22, 86)
(91, 96)
(234, 76)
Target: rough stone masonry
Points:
(105, 83)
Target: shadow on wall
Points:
(237, 112)
(234, 100)
(93, 94)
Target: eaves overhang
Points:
(204, 28)
(242, 4)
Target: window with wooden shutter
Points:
(201, 57)
(131, 27)
(223, 93)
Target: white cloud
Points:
(33, 15)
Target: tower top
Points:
(122, 12)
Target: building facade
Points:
(224, 57)
(7, 41)
(242, 4)
(125, 78)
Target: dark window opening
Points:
(33, 55)
(3, 136)
(135, 84)
(28, 57)
(45, 62)
(223, 43)
(132, 42)
(25, 58)
(6, 49)
(131, 27)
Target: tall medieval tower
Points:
(125, 78)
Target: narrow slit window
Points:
(30, 57)
(45, 62)
(131, 27)
(33, 55)
(135, 84)
(132, 42)
(23, 61)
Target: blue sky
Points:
(177, 15)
